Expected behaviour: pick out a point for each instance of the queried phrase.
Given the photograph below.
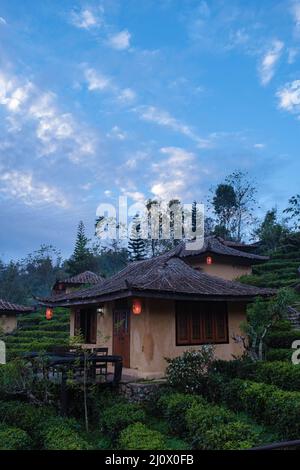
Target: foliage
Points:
(59, 434)
(136, 244)
(294, 210)
(174, 406)
(139, 437)
(267, 404)
(282, 339)
(261, 316)
(273, 354)
(231, 436)
(12, 438)
(117, 417)
(189, 372)
(270, 232)
(82, 258)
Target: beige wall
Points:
(8, 323)
(220, 269)
(153, 336)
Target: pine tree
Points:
(136, 245)
(82, 258)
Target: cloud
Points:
(165, 119)
(175, 173)
(96, 81)
(269, 61)
(2, 20)
(120, 41)
(259, 146)
(117, 133)
(289, 97)
(295, 9)
(25, 104)
(86, 19)
(22, 186)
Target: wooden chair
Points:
(100, 367)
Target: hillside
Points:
(35, 333)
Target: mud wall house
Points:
(222, 258)
(159, 308)
(8, 315)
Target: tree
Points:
(82, 258)
(261, 316)
(270, 232)
(136, 245)
(294, 210)
(233, 204)
(224, 204)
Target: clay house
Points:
(225, 259)
(87, 278)
(160, 307)
(8, 315)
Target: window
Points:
(86, 325)
(201, 323)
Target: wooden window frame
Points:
(214, 309)
(89, 317)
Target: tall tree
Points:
(136, 245)
(294, 210)
(224, 207)
(82, 258)
(270, 232)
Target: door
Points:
(121, 335)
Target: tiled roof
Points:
(88, 277)
(164, 276)
(14, 308)
(221, 247)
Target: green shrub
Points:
(282, 339)
(174, 407)
(267, 404)
(231, 436)
(138, 437)
(189, 372)
(201, 417)
(62, 436)
(12, 438)
(117, 417)
(279, 354)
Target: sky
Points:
(144, 99)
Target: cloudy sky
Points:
(141, 98)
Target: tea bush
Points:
(117, 417)
(12, 438)
(139, 437)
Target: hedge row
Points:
(282, 339)
(284, 375)
(279, 354)
(268, 404)
(207, 426)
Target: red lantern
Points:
(136, 306)
(49, 313)
(209, 260)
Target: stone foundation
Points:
(138, 392)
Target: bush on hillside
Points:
(12, 438)
(139, 437)
(117, 417)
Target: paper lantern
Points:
(136, 306)
(49, 313)
(209, 260)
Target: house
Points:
(159, 308)
(74, 282)
(222, 258)
(8, 315)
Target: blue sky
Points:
(152, 98)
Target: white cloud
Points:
(86, 19)
(96, 80)
(296, 15)
(137, 196)
(127, 95)
(269, 61)
(120, 41)
(289, 97)
(164, 118)
(25, 103)
(117, 133)
(2, 20)
(259, 146)
(174, 173)
(22, 186)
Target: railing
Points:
(279, 445)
